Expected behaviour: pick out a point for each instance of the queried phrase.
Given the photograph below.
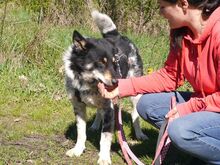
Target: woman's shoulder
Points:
(216, 29)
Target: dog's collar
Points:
(118, 57)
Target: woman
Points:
(194, 56)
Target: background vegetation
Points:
(136, 15)
(37, 125)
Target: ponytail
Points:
(207, 7)
(210, 6)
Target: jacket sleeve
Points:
(164, 79)
(209, 103)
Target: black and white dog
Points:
(89, 61)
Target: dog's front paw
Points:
(104, 159)
(76, 151)
(104, 162)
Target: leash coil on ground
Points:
(128, 154)
(163, 139)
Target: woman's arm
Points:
(166, 79)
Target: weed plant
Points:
(37, 124)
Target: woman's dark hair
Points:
(207, 7)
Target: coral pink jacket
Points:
(200, 66)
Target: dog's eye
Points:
(113, 59)
(101, 63)
(104, 60)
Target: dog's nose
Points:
(114, 81)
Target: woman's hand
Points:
(108, 93)
(172, 114)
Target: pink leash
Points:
(162, 143)
(128, 154)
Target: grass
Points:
(37, 125)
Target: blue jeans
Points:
(197, 133)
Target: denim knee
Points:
(179, 134)
(151, 110)
(143, 108)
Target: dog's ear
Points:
(79, 41)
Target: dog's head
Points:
(94, 59)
